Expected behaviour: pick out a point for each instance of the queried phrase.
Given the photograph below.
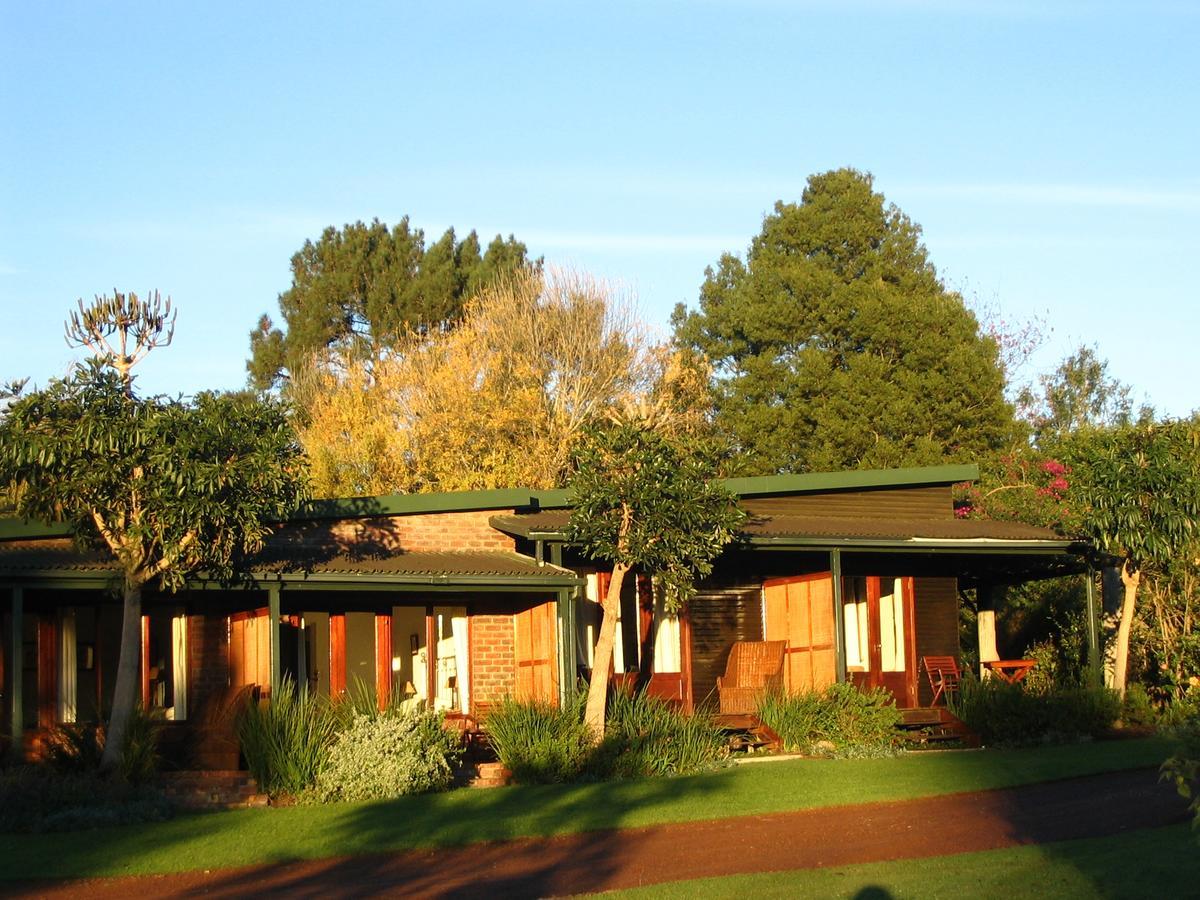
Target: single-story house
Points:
(460, 599)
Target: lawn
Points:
(1152, 862)
(247, 837)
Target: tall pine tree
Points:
(835, 344)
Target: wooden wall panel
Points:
(936, 616)
(716, 618)
(383, 659)
(899, 503)
(800, 611)
(537, 669)
(337, 654)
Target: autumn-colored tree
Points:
(500, 400)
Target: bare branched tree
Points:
(122, 329)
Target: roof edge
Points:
(810, 482)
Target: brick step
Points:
(212, 790)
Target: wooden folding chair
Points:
(944, 676)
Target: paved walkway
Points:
(1094, 806)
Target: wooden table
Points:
(1010, 670)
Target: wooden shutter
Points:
(537, 671)
(250, 649)
(800, 611)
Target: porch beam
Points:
(273, 629)
(16, 671)
(383, 660)
(1095, 656)
(839, 622)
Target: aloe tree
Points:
(166, 487)
(647, 499)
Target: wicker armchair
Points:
(754, 667)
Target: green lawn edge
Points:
(261, 836)
(1167, 865)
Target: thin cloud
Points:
(1058, 194)
(631, 243)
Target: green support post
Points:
(1095, 652)
(839, 637)
(16, 668)
(565, 603)
(273, 624)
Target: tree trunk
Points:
(602, 662)
(125, 693)
(1130, 578)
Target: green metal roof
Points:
(807, 530)
(527, 499)
(59, 557)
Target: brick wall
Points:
(493, 662)
(428, 532)
(208, 659)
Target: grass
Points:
(1159, 862)
(248, 837)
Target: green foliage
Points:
(1080, 395)
(650, 499)
(385, 756)
(361, 288)
(78, 748)
(1137, 490)
(539, 741)
(647, 736)
(1183, 767)
(542, 743)
(1137, 709)
(836, 345)
(1004, 714)
(286, 741)
(38, 798)
(843, 719)
(165, 485)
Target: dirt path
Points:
(1082, 807)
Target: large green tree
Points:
(646, 496)
(166, 487)
(835, 344)
(361, 288)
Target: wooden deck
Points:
(936, 724)
(748, 732)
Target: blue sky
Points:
(1048, 149)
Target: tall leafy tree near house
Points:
(1137, 491)
(362, 288)
(646, 497)
(836, 345)
(166, 487)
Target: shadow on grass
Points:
(503, 866)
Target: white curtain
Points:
(67, 668)
(459, 626)
(891, 627)
(179, 664)
(666, 638)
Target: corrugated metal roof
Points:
(60, 555)
(554, 522)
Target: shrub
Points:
(78, 748)
(1137, 709)
(538, 741)
(36, 798)
(1008, 714)
(851, 721)
(286, 741)
(543, 743)
(649, 736)
(1183, 767)
(380, 757)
